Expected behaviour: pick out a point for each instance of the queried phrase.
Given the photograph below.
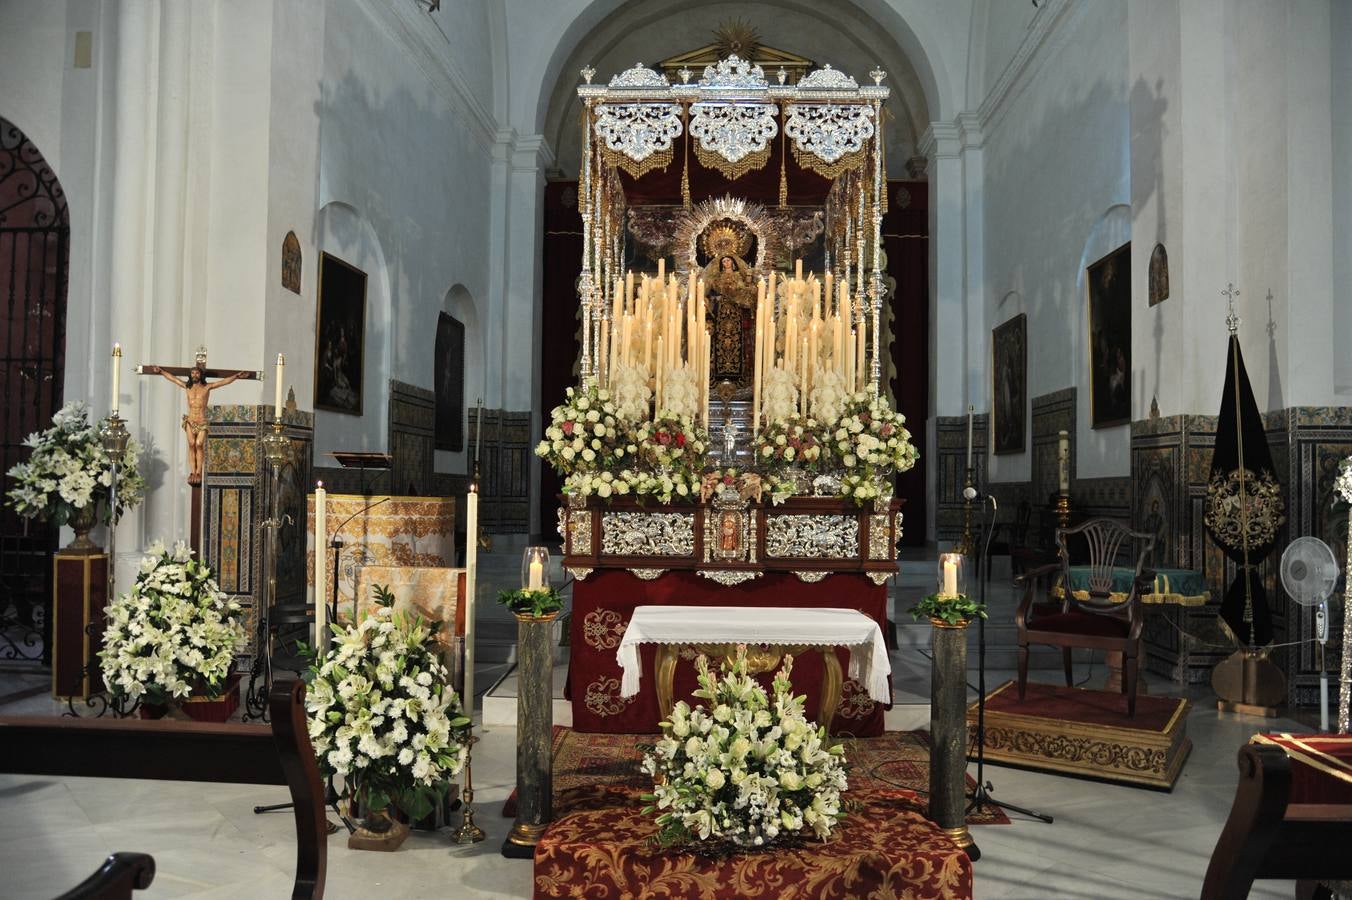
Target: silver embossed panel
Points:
(812, 537)
(647, 534)
(580, 532)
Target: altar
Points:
(806, 552)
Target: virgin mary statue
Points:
(731, 288)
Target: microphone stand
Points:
(981, 795)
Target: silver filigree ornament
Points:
(811, 577)
(639, 76)
(734, 131)
(579, 572)
(647, 534)
(829, 131)
(735, 73)
(879, 578)
(729, 577)
(649, 574)
(812, 537)
(638, 130)
(827, 78)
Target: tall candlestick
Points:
(798, 269)
(657, 390)
(281, 370)
(479, 432)
(321, 564)
(661, 268)
(970, 410)
(471, 587)
(117, 378)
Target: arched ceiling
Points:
(649, 31)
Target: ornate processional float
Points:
(786, 499)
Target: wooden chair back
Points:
(1105, 540)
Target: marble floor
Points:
(1108, 841)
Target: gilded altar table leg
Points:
(831, 683)
(665, 676)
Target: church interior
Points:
(878, 448)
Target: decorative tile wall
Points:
(237, 494)
(950, 434)
(411, 427)
(504, 469)
(1171, 459)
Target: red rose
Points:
(567, 427)
(663, 438)
(680, 440)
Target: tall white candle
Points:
(117, 378)
(1063, 461)
(970, 410)
(471, 583)
(479, 431)
(950, 578)
(535, 580)
(281, 370)
(321, 567)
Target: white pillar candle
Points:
(1063, 461)
(535, 581)
(281, 369)
(950, 578)
(321, 565)
(471, 583)
(117, 378)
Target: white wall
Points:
(1057, 194)
(1340, 32)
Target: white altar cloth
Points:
(777, 626)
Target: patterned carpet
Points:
(595, 771)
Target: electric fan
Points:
(1309, 574)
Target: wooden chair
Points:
(1268, 836)
(169, 750)
(1097, 622)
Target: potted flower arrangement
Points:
(870, 443)
(68, 476)
(173, 635)
(585, 434)
(384, 718)
(747, 772)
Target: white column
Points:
(941, 147)
(976, 322)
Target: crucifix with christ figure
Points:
(193, 381)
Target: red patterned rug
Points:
(596, 771)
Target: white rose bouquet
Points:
(1342, 485)
(870, 443)
(584, 434)
(748, 772)
(174, 633)
(382, 714)
(69, 473)
(795, 440)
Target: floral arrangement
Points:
(173, 633)
(672, 443)
(537, 603)
(69, 470)
(749, 771)
(584, 434)
(952, 610)
(382, 715)
(870, 443)
(1342, 485)
(795, 440)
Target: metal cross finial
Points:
(201, 357)
(588, 72)
(1231, 320)
(878, 75)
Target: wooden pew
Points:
(1267, 836)
(167, 750)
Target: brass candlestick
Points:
(468, 832)
(1062, 509)
(964, 545)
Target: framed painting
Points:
(1109, 289)
(340, 334)
(1009, 394)
(449, 360)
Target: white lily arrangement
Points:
(173, 633)
(69, 470)
(383, 715)
(748, 772)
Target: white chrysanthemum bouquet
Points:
(174, 633)
(748, 772)
(382, 713)
(69, 470)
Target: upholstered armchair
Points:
(1090, 615)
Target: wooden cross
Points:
(193, 381)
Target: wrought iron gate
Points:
(34, 262)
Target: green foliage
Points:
(949, 610)
(532, 603)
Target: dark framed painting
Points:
(1109, 289)
(449, 360)
(1009, 395)
(340, 336)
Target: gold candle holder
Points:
(468, 832)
